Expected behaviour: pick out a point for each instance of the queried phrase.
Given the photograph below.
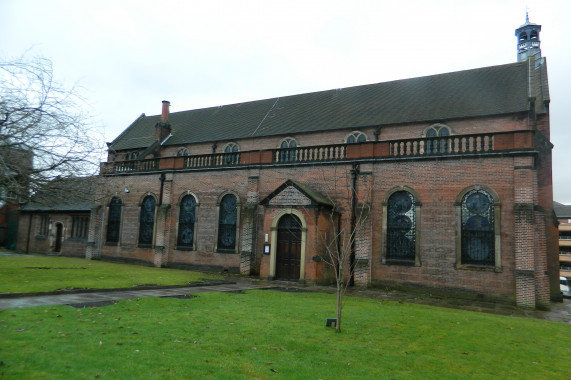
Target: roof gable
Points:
(292, 193)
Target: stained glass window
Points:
(227, 224)
(114, 220)
(401, 227)
(478, 236)
(186, 222)
(147, 221)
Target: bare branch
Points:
(45, 130)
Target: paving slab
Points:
(97, 297)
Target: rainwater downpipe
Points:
(29, 233)
(162, 179)
(100, 245)
(354, 174)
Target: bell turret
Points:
(528, 43)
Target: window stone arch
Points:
(478, 233)
(274, 238)
(182, 152)
(355, 137)
(231, 147)
(401, 227)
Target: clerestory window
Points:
(182, 152)
(287, 152)
(231, 155)
(436, 145)
(355, 138)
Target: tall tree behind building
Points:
(45, 130)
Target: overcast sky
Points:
(131, 55)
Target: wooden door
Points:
(59, 233)
(288, 250)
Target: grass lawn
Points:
(26, 274)
(266, 334)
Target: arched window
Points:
(131, 156)
(523, 36)
(227, 220)
(533, 35)
(355, 137)
(287, 152)
(401, 227)
(231, 155)
(436, 145)
(114, 221)
(231, 148)
(182, 152)
(477, 228)
(186, 219)
(147, 221)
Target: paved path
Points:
(107, 297)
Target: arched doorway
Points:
(59, 234)
(288, 249)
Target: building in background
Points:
(563, 213)
(56, 220)
(444, 182)
(15, 168)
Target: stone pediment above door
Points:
(292, 193)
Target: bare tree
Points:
(340, 245)
(45, 130)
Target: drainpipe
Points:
(162, 179)
(29, 233)
(354, 174)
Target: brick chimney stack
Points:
(165, 113)
(163, 127)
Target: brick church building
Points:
(444, 182)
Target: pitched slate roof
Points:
(480, 92)
(64, 195)
(561, 210)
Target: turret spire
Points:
(528, 43)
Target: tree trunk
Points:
(339, 305)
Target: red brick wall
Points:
(517, 179)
